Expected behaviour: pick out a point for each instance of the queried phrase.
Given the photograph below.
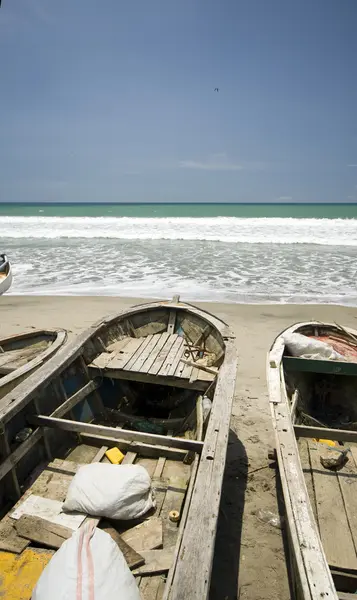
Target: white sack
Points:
(112, 491)
(303, 346)
(87, 566)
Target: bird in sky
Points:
(215, 89)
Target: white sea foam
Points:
(328, 232)
(218, 259)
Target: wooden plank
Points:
(118, 345)
(133, 558)
(334, 528)
(171, 322)
(159, 467)
(347, 478)
(152, 588)
(347, 582)
(306, 468)
(156, 561)
(139, 351)
(129, 458)
(173, 501)
(176, 361)
(42, 531)
(117, 433)
(190, 581)
(176, 349)
(145, 355)
(308, 365)
(119, 360)
(156, 366)
(73, 400)
(145, 536)
(200, 367)
(199, 385)
(155, 352)
(136, 447)
(18, 454)
(102, 360)
(100, 454)
(338, 435)
(13, 544)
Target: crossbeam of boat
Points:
(117, 433)
(338, 435)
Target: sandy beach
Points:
(249, 558)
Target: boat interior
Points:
(143, 384)
(16, 351)
(322, 396)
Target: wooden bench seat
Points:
(156, 358)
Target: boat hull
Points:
(295, 383)
(22, 354)
(144, 353)
(5, 283)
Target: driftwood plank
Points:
(334, 528)
(145, 536)
(43, 532)
(154, 353)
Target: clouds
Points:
(285, 198)
(220, 162)
(210, 166)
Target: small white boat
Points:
(5, 274)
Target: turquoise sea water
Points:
(257, 253)
(262, 210)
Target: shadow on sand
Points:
(225, 571)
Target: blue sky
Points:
(114, 101)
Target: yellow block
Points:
(19, 573)
(328, 442)
(114, 455)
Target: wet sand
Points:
(249, 558)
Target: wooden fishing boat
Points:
(21, 354)
(5, 274)
(157, 382)
(313, 404)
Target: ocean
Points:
(254, 253)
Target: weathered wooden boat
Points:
(5, 274)
(314, 411)
(157, 382)
(21, 354)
